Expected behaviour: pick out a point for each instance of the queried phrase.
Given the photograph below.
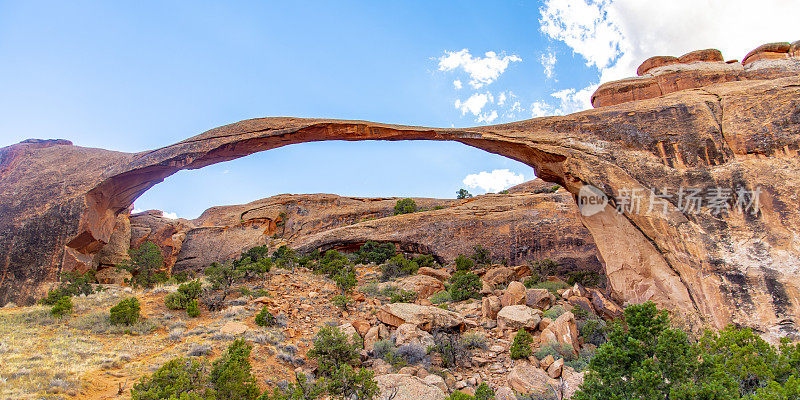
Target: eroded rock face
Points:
(702, 125)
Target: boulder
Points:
(514, 294)
(518, 316)
(525, 378)
(547, 361)
(604, 306)
(582, 302)
(439, 274)
(539, 298)
(233, 328)
(407, 387)
(113, 275)
(498, 276)
(435, 380)
(362, 327)
(370, 338)
(565, 332)
(422, 285)
(412, 334)
(777, 47)
(490, 306)
(554, 370)
(571, 381)
(504, 393)
(425, 317)
(794, 49)
(350, 331)
(765, 56)
(707, 55)
(655, 62)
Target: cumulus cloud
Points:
(488, 117)
(481, 70)
(541, 109)
(548, 61)
(495, 181)
(170, 215)
(615, 36)
(457, 84)
(475, 103)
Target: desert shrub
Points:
(370, 289)
(349, 383)
(484, 392)
(62, 306)
(593, 330)
(474, 341)
(265, 318)
(459, 395)
(383, 349)
(223, 276)
(403, 296)
(346, 279)
(186, 293)
(179, 378)
(584, 278)
(307, 260)
(254, 262)
(581, 362)
(285, 257)
(231, 374)
(481, 256)
(521, 347)
(425, 260)
(301, 389)
(412, 353)
(450, 346)
(559, 350)
(552, 286)
(146, 265)
(440, 297)
(554, 312)
(193, 309)
(464, 285)
(463, 194)
(464, 263)
(341, 301)
(72, 284)
(398, 266)
(126, 312)
(180, 277)
(405, 206)
(645, 358)
(374, 252)
(331, 263)
(541, 269)
(332, 350)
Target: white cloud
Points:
(457, 84)
(615, 36)
(495, 181)
(475, 103)
(501, 99)
(548, 63)
(169, 215)
(541, 109)
(481, 70)
(488, 117)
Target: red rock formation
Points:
(738, 129)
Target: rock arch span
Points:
(710, 270)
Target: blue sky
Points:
(133, 76)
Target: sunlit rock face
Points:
(699, 123)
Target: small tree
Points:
(464, 285)
(398, 266)
(521, 347)
(346, 280)
(481, 255)
(332, 350)
(463, 194)
(231, 374)
(177, 379)
(265, 318)
(192, 309)
(185, 294)
(62, 306)
(146, 265)
(464, 263)
(405, 206)
(376, 252)
(126, 312)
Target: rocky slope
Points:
(702, 124)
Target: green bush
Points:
(452, 349)
(62, 306)
(541, 269)
(146, 265)
(441, 297)
(285, 257)
(347, 383)
(186, 293)
(584, 278)
(521, 347)
(464, 285)
(193, 309)
(554, 312)
(403, 296)
(560, 350)
(646, 359)
(484, 392)
(126, 312)
(179, 378)
(346, 279)
(72, 284)
(374, 252)
(425, 260)
(481, 256)
(341, 301)
(463, 194)
(331, 263)
(231, 374)
(265, 318)
(464, 263)
(332, 350)
(223, 276)
(398, 266)
(405, 206)
(552, 286)
(301, 389)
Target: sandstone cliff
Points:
(695, 123)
